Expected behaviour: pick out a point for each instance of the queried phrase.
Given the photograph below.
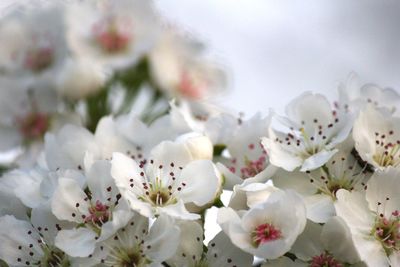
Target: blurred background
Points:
(276, 49)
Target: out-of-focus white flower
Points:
(31, 243)
(166, 181)
(248, 159)
(114, 34)
(377, 137)
(267, 230)
(180, 70)
(96, 211)
(312, 130)
(27, 114)
(34, 46)
(354, 97)
(374, 218)
(79, 78)
(220, 250)
(137, 245)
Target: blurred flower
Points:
(114, 34)
(180, 70)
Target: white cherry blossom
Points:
(96, 211)
(137, 244)
(267, 230)
(374, 218)
(312, 130)
(168, 180)
(376, 135)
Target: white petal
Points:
(119, 219)
(100, 182)
(319, 207)
(278, 156)
(178, 211)
(163, 239)
(68, 147)
(221, 251)
(190, 244)
(168, 151)
(384, 185)
(308, 244)
(336, 238)
(202, 182)
(78, 242)
(123, 169)
(317, 160)
(66, 196)
(14, 233)
(199, 146)
(309, 106)
(353, 209)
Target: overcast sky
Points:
(277, 49)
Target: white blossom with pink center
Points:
(373, 218)
(248, 161)
(181, 70)
(26, 116)
(115, 34)
(269, 229)
(97, 211)
(308, 136)
(39, 48)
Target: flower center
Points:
(111, 36)
(98, 214)
(160, 197)
(388, 150)
(33, 126)
(340, 173)
(253, 167)
(39, 59)
(54, 257)
(325, 260)
(265, 233)
(387, 231)
(126, 257)
(312, 137)
(190, 87)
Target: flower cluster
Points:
(73, 63)
(317, 187)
